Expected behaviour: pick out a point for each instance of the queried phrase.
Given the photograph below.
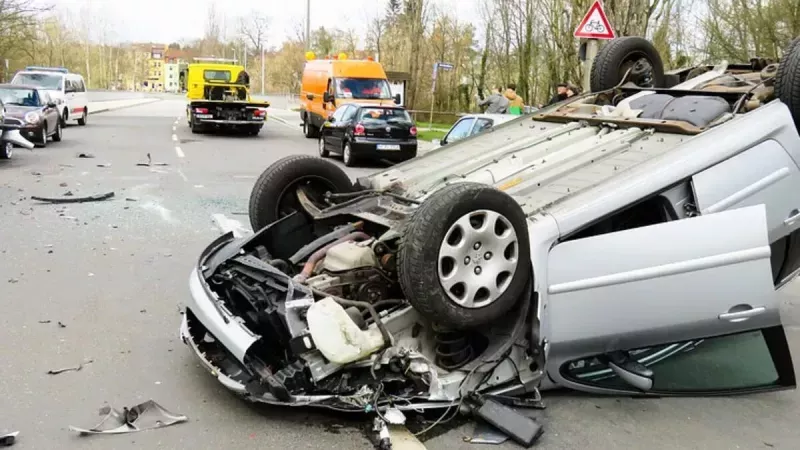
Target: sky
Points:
(166, 21)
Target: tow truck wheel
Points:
(6, 150)
(275, 194)
(627, 53)
(787, 80)
(464, 257)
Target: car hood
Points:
(18, 111)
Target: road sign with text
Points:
(595, 24)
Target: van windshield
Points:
(363, 88)
(42, 80)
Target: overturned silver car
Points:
(628, 241)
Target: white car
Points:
(471, 124)
(67, 89)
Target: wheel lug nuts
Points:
(477, 245)
(488, 255)
(467, 260)
(478, 270)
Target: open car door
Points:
(685, 307)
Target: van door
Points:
(81, 96)
(69, 98)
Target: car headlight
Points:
(32, 117)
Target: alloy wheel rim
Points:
(8, 149)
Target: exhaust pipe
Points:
(15, 138)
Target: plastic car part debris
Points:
(394, 416)
(85, 155)
(91, 198)
(144, 416)
(150, 162)
(486, 434)
(384, 441)
(69, 369)
(8, 439)
(523, 430)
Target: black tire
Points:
(42, 136)
(347, 155)
(64, 117)
(57, 135)
(273, 195)
(6, 150)
(621, 54)
(254, 130)
(787, 80)
(309, 130)
(195, 127)
(418, 256)
(321, 148)
(84, 117)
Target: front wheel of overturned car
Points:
(632, 53)
(464, 259)
(6, 150)
(275, 193)
(787, 80)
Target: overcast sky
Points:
(172, 20)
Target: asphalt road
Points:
(115, 273)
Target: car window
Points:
(42, 80)
(69, 86)
(384, 115)
(81, 86)
(482, 124)
(349, 114)
(340, 112)
(20, 96)
(728, 363)
(363, 88)
(460, 130)
(217, 75)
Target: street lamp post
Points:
(263, 75)
(308, 25)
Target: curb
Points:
(114, 108)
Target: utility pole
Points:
(244, 48)
(308, 25)
(263, 75)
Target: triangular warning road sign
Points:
(595, 24)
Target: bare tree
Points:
(254, 28)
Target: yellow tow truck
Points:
(218, 91)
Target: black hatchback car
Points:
(369, 131)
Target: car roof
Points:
(375, 105)
(19, 86)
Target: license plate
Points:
(204, 116)
(388, 147)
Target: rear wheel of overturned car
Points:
(464, 259)
(627, 53)
(275, 193)
(6, 150)
(57, 134)
(787, 80)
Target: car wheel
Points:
(57, 135)
(196, 128)
(321, 145)
(621, 54)
(84, 117)
(787, 80)
(275, 193)
(464, 258)
(347, 156)
(6, 150)
(64, 117)
(42, 136)
(309, 130)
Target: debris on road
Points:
(67, 165)
(91, 198)
(69, 369)
(68, 194)
(8, 439)
(63, 184)
(104, 165)
(131, 199)
(85, 155)
(61, 325)
(13, 280)
(44, 321)
(33, 172)
(144, 416)
(150, 162)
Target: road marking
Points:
(284, 122)
(179, 152)
(183, 175)
(175, 137)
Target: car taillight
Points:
(259, 113)
(201, 110)
(413, 131)
(359, 131)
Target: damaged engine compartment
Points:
(335, 329)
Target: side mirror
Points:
(51, 105)
(327, 97)
(329, 118)
(398, 99)
(310, 96)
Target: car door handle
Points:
(740, 316)
(795, 214)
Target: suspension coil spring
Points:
(453, 349)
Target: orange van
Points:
(330, 83)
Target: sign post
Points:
(436, 67)
(594, 26)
